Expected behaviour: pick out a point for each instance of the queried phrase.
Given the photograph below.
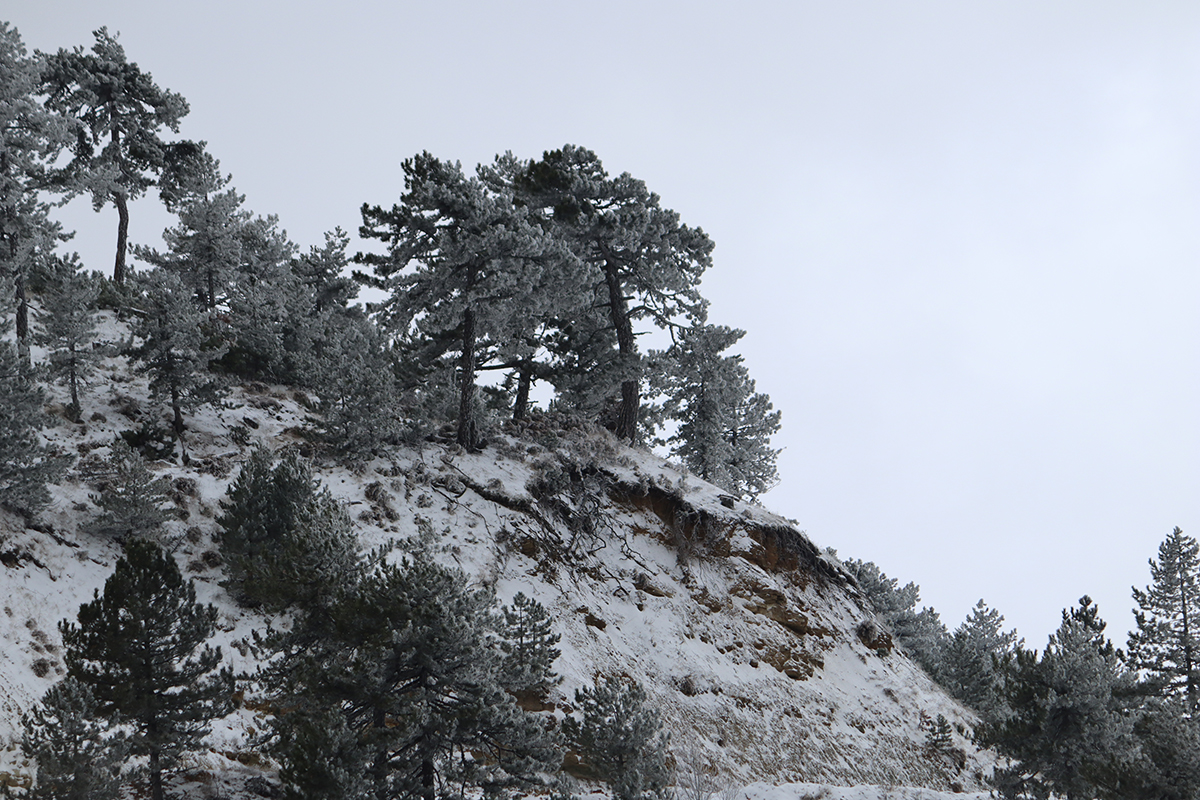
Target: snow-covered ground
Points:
(746, 636)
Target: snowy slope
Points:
(751, 641)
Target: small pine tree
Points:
(528, 643)
(920, 633)
(621, 738)
(78, 756)
(69, 326)
(133, 498)
(351, 371)
(141, 648)
(725, 427)
(286, 540)
(968, 664)
(175, 352)
(322, 757)
(26, 466)
(940, 737)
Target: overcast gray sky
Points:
(962, 236)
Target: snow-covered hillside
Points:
(753, 642)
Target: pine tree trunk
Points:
(627, 413)
(524, 383)
(1188, 654)
(72, 373)
(467, 433)
(156, 782)
(177, 409)
(23, 320)
(122, 236)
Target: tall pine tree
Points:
(1166, 643)
(462, 264)
(30, 139)
(1066, 725)
(117, 114)
(630, 256)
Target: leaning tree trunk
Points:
(122, 236)
(468, 435)
(627, 412)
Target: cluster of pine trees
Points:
(392, 677)
(1082, 718)
(537, 270)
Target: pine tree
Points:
(141, 648)
(285, 539)
(205, 248)
(725, 427)
(630, 256)
(1066, 727)
(351, 369)
(26, 466)
(69, 326)
(175, 351)
(939, 738)
(920, 633)
(133, 498)
(528, 643)
(621, 738)
(968, 668)
(1166, 643)
(321, 757)
(117, 113)
(462, 261)
(408, 659)
(78, 755)
(30, 139)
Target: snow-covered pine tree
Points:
(921, 633)
(134, 500)
(78, 755)
(26, 465)
(321, 757)
(462, 261)
(286, 540)
(141, 647)
(940, 736)
(408, 658)
(117, 113)
(205, 248)
(621, 738)
(352, 371)
(528, 641)
(1066, 727)
(175, 351)
(264, 299)
(30, 139)
(69, 326)
(630, 256)
(1165, 646)
(725, 427)
(968, 668)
